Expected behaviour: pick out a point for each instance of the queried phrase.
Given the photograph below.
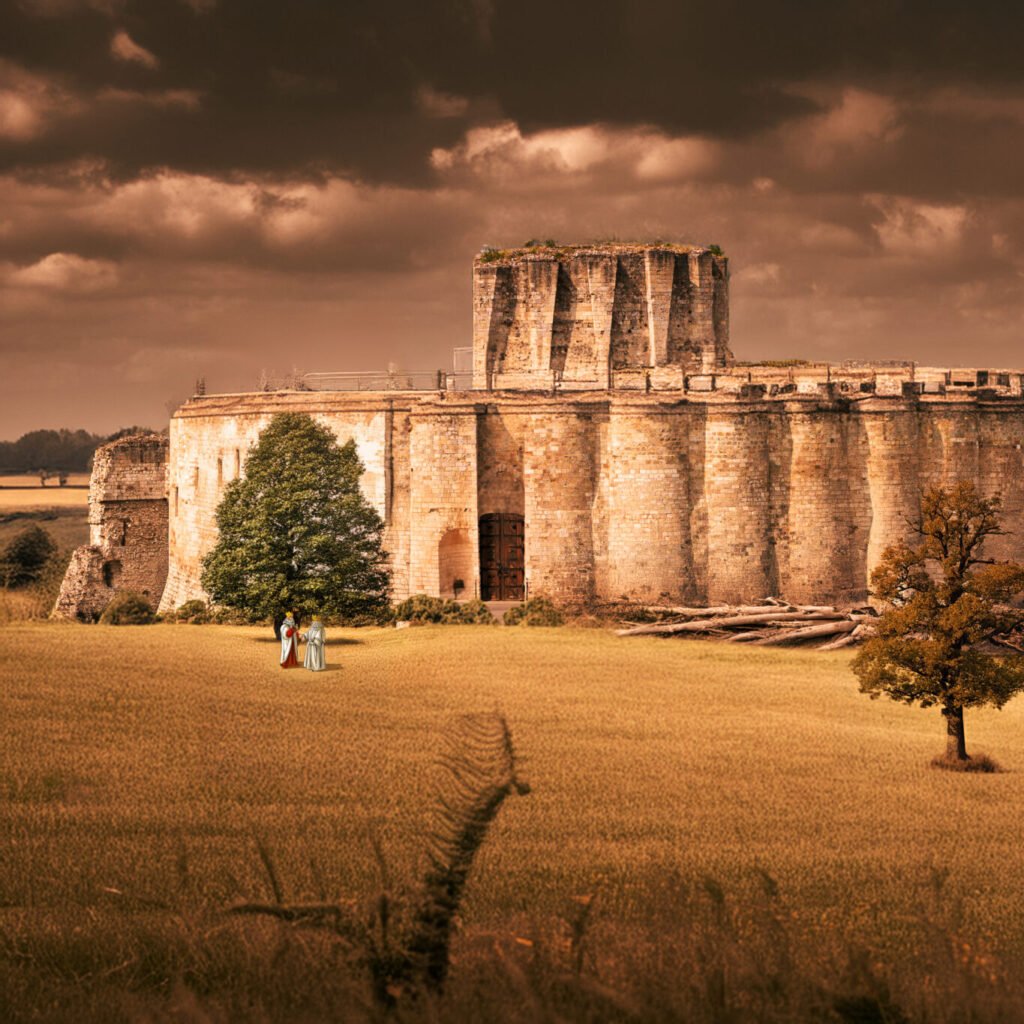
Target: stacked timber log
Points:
(771, 623)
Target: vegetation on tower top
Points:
(550, 249)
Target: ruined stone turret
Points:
(598, 316)
(127, 547)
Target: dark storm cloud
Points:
(290, 87)
(310, 86)
(206, 187)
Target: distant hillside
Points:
(69, 450)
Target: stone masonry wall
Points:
(647, 495)
(444, 536)
(732, 499)
(127, 547)
(560, 472)
(724, 496)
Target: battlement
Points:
(781, 381)
(854, 380)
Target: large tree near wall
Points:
(296, 531)
(945, 638)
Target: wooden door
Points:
(501, 556)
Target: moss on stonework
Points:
(551, 250)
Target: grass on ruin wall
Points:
(760, 839)
(551, 248)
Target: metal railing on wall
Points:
(440, 380)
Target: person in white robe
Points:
(289, 642)
(316, 639)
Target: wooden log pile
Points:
(771, 623)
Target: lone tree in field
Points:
(296, 531)
(943, 639)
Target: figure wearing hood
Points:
(316, 639)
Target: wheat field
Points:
(31, 480)
(21, 492)
(40, 499)
(69, 527)
(677, 783)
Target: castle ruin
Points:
(610, 447)
(127, 547)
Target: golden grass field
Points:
(139, 764)
(69, 527)
(31, 480)
(23, 493)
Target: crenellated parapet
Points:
(585, 317)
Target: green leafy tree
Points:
(26, 556)
(296, 531)
(942, 639)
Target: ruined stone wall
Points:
(209, 440)
(127, 547)
(594, 317)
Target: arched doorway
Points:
(501, 557)
(454, 563)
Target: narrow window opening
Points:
(238, 463)
(175, 500)
(220, 471)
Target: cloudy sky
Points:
(216, 187)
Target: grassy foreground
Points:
(761, 841)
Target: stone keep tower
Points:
(598, 317)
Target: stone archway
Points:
(455, 564)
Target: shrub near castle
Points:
(296, 531)
(26, 556)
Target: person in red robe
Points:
(290, 642)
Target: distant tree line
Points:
(69, 450)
